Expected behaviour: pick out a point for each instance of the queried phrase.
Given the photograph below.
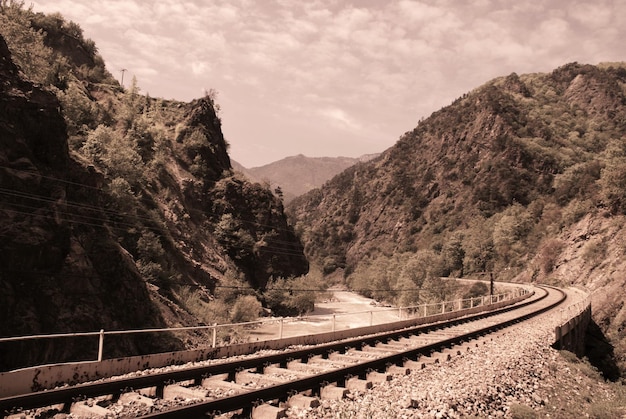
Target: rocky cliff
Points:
(60, 268)
(120, 211)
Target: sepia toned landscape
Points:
(123, 212)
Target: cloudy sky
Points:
(336, 77)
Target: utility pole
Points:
(123, 70)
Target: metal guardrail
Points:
(423, 310)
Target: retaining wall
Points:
(571, 334)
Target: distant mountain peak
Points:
(296, 175)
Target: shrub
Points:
(79, 112)
(245, 309)
(613, 183)
(295, 296)
(576, 210)
(594, 252)
(26, 44)
(149, 246)
(478, 289)
(549, 254)
(150, 271)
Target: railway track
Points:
(265, 384)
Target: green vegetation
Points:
(482, 185)
(159, 174)
(294, 296)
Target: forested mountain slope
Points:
(118, 210)
(524, 177)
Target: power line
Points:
(217, 286)
(192, 210)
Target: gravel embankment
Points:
(505, 376)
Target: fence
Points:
(334, 321)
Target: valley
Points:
(119, 210)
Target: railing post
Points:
(443, 307)
(371, 318)
(214, 335)
(333, 322)
(100, 345)
(280, 329)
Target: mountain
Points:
(524, 177)
(299, 174)
(119, 210)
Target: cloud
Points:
(340, 118)
(362, 67)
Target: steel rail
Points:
(116, 387)
(280, 391)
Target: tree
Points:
(453, 255)
(613, 184)
(27, 46)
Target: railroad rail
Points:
(279, 376)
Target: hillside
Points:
(119, 210)
(299, 174)
(524, 177)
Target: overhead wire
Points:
(234, 287)
(274, 227)
(273, 246)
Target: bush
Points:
(150, 271)
(613, 183)
(149, 246)
(245, 309)
(26, 44)
(549, 254)
(595, 252)
(478, 289)
(296, 296)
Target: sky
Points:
(328, 78)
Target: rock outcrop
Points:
(60, 268)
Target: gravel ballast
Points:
(514, 373)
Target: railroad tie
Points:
(414, 365)
(378, 377)
(213, 383)
(302, 367)
(286, 372)
(267, 411)
(136, 398)
(397, 370)
(247, 377)
(303, 402)
(88, 409)
(356, 384)
(332, 392)
(176, 391)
